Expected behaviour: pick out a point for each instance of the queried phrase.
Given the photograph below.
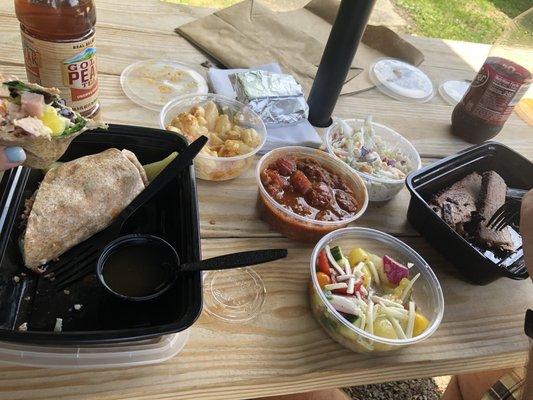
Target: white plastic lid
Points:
(453, 91)
(153, 83)
(117, 355)
(401, 80)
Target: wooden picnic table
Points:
(284, 350)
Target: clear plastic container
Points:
(293, 225)
(118, 355)
(380, 189)
(209, 167)
(153, 83)
(427, 292)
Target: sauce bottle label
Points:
(496, 89)
(71, 67)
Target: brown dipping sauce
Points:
(138, 270)
(306, 188)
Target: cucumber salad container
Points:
(371, 292)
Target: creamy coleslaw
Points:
(366, 152)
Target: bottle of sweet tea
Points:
(59, 51)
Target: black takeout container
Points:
(172, 215)
(478, 265)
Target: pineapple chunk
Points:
(367, 276)
(55, 122)
(356, 256)
(421, 324)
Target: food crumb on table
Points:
(66, 291)
(23, 327)
(59, 325)
(212, 222)
(78, 307)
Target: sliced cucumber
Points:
(336, 252)
(352, 318)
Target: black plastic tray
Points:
(478, 265)
(173, 215)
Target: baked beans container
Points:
(293, 225)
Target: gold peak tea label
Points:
(69, 66)
(79, 75)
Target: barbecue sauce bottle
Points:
(58, 45)
(500, 83)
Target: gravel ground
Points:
(415, 389)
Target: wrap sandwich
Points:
(37, 119)
(77, 199)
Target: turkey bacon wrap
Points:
(37, 119)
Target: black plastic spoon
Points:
(128, 263)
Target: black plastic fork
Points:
(80, 260)
(507, 214)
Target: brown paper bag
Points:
(243, 36)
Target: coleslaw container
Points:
(427, 292)
(293, 225)
(380, 189)
(209, 167)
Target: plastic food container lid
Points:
(453, 91)
(153, 83)
(117, 355)
(401, 80)
(231, 302)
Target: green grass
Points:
(469, 20)
(512, 7)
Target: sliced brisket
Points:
(456, 204)
(492, 197)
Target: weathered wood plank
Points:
(136, 15)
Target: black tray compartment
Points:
(478, 265)
(172, 214)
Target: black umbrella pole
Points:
(339, 52)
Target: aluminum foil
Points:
(277, 98)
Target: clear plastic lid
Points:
(116, 355)
(153, 83)
(401, 80)
(453, 91)
(234, 295)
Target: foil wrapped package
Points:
(277, 98)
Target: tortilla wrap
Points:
(40, 151)
(78, 199)
(42, 146)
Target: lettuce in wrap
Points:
(37, 119)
